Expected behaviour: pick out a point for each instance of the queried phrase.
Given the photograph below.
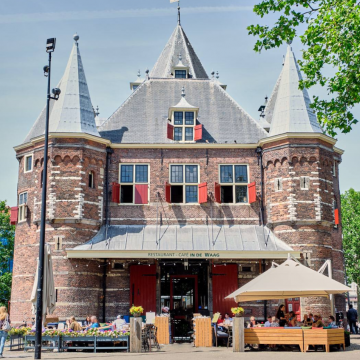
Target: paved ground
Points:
(188, 352)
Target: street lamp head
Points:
(56, 92)
(46, 70)
(50, 45)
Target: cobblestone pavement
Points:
(188, 352)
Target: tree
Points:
(7, 234)
(350, 218)
(332, 42)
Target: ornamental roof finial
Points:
(76, 37)
(183, 92)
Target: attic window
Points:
(180, 70)
(180, 74)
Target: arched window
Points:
(91, 179)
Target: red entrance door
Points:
(143, 287)
(224, 282)
(293, 304)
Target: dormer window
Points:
(180, 71)
(182, 126)
(135, 84)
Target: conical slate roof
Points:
(289, 107)
(73, 112)
(178, 44)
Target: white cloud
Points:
(115, 14)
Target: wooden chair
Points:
(219, 335)
(230, 338)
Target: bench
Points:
(324, 337)
(275, 336)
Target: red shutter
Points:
(14, 215)
(336, 216)
(224, 282)
(170, 131)
(167, 192)
(115, 192)
(141, 193)
(203, 193)
(252, 192)
(218, 193)
(198, 132)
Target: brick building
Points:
(178, 198)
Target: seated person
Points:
(307, 321)
(94, 323)
(268, 322)
(274, 322)
(119, 323)
(227, 320)
(220, 320)
(253, 322)
(73, 325)
(318, 321)
(332, 322)
(292, 319)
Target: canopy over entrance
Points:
(288, 280)
(184, 241)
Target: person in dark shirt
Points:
(280, 314)
(352, 316)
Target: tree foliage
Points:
(350, 216)
(7, 234)
(331, 39)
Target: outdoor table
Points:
(324, 337)
(275, 336)
(54, 341)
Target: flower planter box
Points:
(16, 342)
(55, 342)
(118, 343)
(78, 343)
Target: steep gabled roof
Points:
(73, 111)
(178, 44)
(143, 117)
(289, 107)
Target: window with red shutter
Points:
(198, 132)
(203, 193)
(336, 216)
(115, 192)
(13, 215)
(167, 192)
(170, 131)
(217, 193)
(252, 192)
(141, 193)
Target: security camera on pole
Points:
(50, 47)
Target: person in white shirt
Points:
(119, 323)
(268, 322)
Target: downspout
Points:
(259, 153)
(109, 152)
(104, 289)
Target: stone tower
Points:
(75, 197)
(301, 180)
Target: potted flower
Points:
(136, 311)
(237, 311)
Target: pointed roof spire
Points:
(178, 44)
(73, 112)
(179, 23)
(289, 108)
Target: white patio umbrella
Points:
(49, 297)
(288, 280)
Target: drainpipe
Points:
(109, 151)
(259, 153)
(104, 289)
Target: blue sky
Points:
(117, 38)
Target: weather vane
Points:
(178, 1)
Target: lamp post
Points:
(50, 47)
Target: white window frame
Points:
(178, 68)
(233, 184)
(184, 184)
(25, 162)
(22, 215)
(183, 126)
(334, 169)
(133, 183)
